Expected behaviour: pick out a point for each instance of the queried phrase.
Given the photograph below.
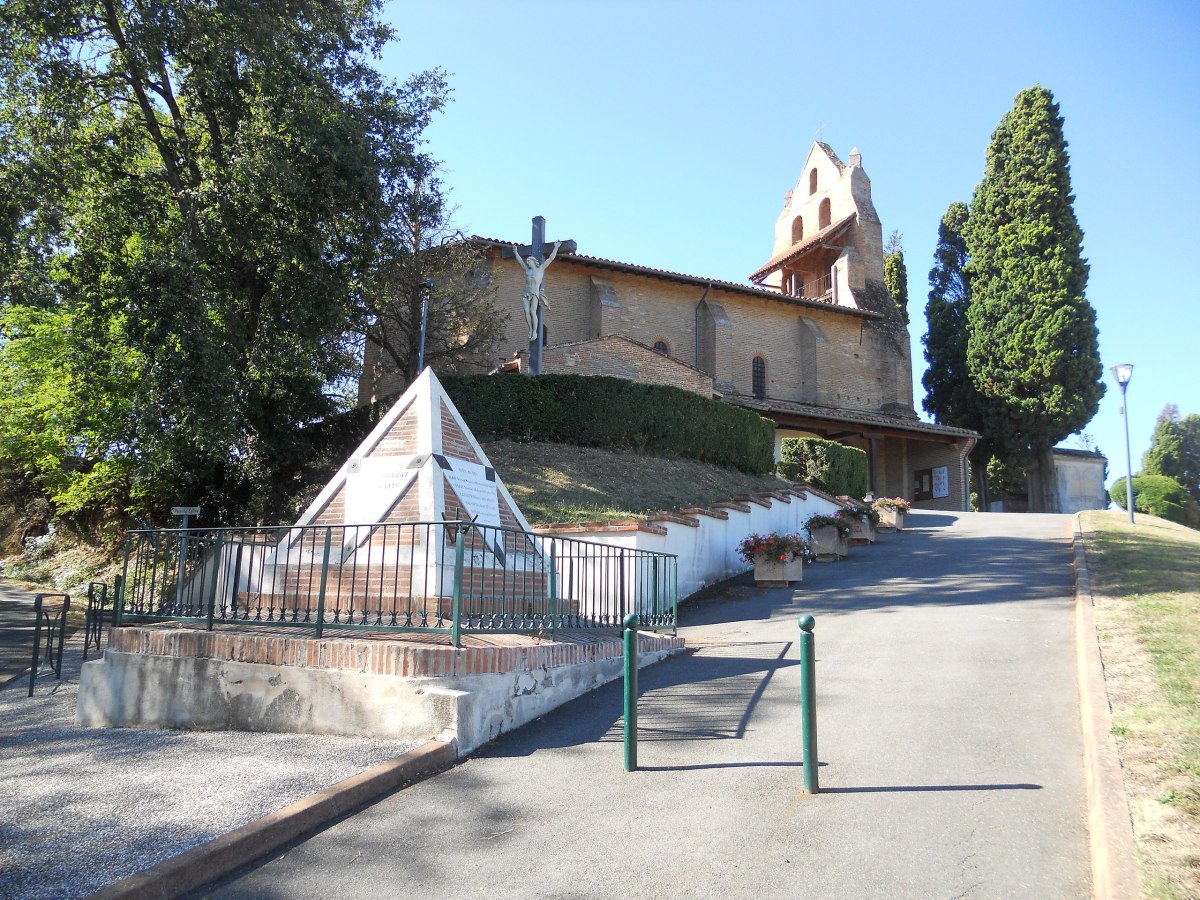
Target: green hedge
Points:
(828, 465)
(597, 411)
(1158, 495)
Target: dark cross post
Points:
(537, 249)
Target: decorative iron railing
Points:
(49, 632)
(449, 577)
(819, 288)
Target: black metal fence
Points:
(415, 576)
(99, 613)
(49, 632)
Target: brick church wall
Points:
(622, 358)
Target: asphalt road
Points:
(16, 630)
(949, 738)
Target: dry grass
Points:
(560, 483)
(1146, 584)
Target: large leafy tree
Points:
(1032, 346)
(428, 260)
(1175, 449)
(950, 396)
(192, 197)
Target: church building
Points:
(814, 342)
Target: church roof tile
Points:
(848, 416)
(700, 281)
(829, 232)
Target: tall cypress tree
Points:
(1031, 347)
(895, 274)
(950, 396)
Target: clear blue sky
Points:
(665, 134)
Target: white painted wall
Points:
(708, 553)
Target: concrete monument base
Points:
(358, 683)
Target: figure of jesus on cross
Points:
(534, 298)
(535, 288)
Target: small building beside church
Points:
(814, 342)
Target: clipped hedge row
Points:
(828, 465)
(597, 411)
(1158, 495)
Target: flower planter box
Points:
(774, 572)
(828, 544)
(862, 531)
(890, 519)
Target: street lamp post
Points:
(426, 290)
(1123, 372)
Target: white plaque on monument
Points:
(475, 486)
(941, 482)
(372, 485)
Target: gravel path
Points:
(83, 807)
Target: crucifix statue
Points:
(534, 297)
(535, 262)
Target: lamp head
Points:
(1122, 372)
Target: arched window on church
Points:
(758, 378)
(797, 229)
(545, 336)
(662, 347)
(812, 181)
(823, 214)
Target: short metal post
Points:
(212, 591)
(37, 641)
(631, 691)
(324, 581)
(808, 702)
(456, 608)
(621, 584)
(675, 597)
(118, 601)
(183, 542)
(62, 634)
(654, 590)
(119, 586)
(553, 585)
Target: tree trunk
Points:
(979, 473)
(1043, 483)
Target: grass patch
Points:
(1149, 576)
(561, 483)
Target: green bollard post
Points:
(553, 587)
(808, 702)
(456, 600)
(324, 580)
(37, 636)
(631, 692)
(212, 593)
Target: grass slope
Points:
(1146, 585)
(560, 483)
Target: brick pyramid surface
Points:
(420, 464)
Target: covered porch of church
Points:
(924, 463)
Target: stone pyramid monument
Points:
(420, 464)
(367, 544)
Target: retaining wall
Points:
(705, 538)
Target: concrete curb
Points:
(216, 858)
(1110, 828)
